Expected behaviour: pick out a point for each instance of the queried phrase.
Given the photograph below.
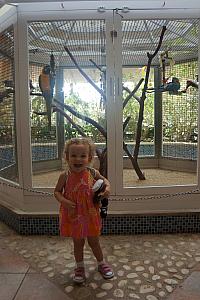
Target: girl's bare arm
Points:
(58, 192)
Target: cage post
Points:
(60, 118)
(157, 114)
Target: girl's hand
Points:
(68, 204)
(106, 192)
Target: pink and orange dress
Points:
(84, 220)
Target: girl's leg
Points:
(79, 272)
(103, 267)
(93, 242)
(78, 249)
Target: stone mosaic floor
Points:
(147, 267)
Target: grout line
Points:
(21, 283)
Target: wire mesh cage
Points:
(8, 142)
(180, 115)
(80, 45)
(86, 42)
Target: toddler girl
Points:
(79, 216)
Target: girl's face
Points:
(78, 158)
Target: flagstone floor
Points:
(147, 267)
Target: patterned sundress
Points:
(84, 220)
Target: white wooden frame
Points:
(36, 202)
(130, 194)
(122, 200)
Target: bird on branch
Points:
(47, 83)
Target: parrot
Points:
(172, 87)
(192, 83)
(9, 83)
(9, 89)
(47, 83)
(5, 94)
(31, 86)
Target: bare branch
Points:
(126, 123)
(82, 117)
(129, 91)
(79, 129)
(141, 110)
(84, 74)
(133, 92)
(93, 62)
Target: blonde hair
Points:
(80, 141)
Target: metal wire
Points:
(26, 189)
(191, 192)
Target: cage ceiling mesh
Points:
(86, 40)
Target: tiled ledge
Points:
(28, 224)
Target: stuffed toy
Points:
(97, 188)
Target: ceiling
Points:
(86, 38)
(86, 41)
